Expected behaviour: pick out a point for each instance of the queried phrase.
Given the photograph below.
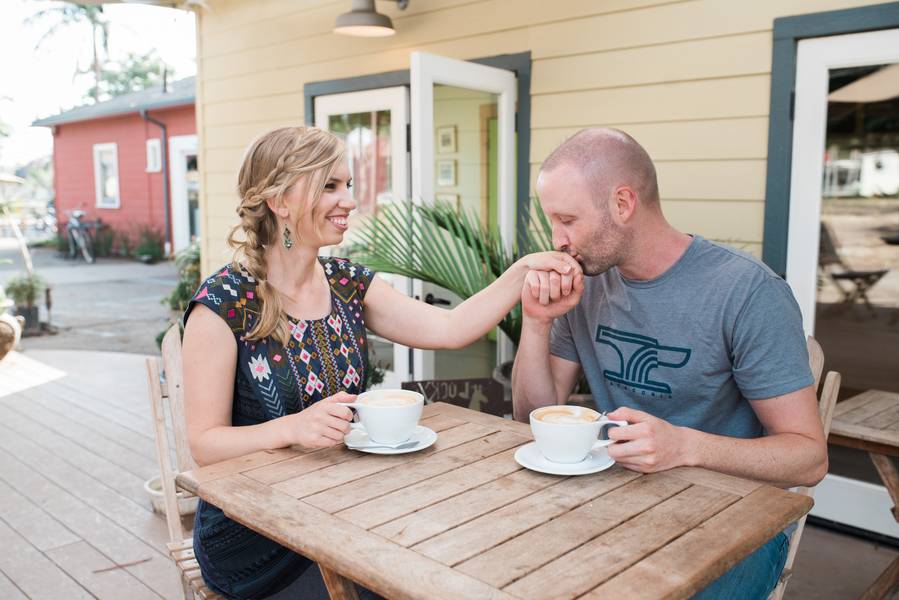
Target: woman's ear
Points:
(278, 206)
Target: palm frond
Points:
(449, 248)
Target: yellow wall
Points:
(689, 79)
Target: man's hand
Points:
(547, 295)
(648, 444)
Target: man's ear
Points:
(624, 203)
(278, 206)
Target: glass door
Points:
(373, 124)
(843, 249)
(463, 140)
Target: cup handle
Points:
(604, 427)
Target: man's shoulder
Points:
(719, 259)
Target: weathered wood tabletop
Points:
(462, 519)
(870, 422)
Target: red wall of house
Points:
(141, 193)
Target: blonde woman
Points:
(273, 340)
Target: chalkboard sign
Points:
(484, 395)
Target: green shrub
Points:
(150, 244)
(188, 263)
(25, 289)
(103, 240)
(62, 243)
(123, 243)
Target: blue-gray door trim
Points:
(787, 33)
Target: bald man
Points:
(698, 346)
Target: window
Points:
(106, 175)
(154, 156)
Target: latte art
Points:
(567, 416)
(387, 401)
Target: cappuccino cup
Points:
(389, 416)
(567, 434)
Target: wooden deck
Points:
(76, 445)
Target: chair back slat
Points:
(815, 359)
(171, 361)
(166, 474)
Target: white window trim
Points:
(98, 192)
(154, 153)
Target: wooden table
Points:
(463, 520)
(870, 422)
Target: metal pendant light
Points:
(364, 20)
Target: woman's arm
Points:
(401, 319)
(210, 360)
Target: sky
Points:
(36, 83)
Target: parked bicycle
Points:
(81, 240)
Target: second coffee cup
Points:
(566, 434)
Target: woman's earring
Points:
(287, 240)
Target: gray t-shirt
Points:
(693, 345)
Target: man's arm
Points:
(539, 379)
(793, 453)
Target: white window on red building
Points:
(154, 156)
(106, 175)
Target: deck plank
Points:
(31, 521)
(98, 466)
(34, 573)
(81, 561)
(85, 521)
(9, 590)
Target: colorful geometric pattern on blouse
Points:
(323, 356)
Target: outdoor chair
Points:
(826, 403)
(170, 392)
(831, 263)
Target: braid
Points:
(274, 163)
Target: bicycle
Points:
(80, 238)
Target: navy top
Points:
(323, 357)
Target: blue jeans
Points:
(754, 577)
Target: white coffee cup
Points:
(389, 416)
(567, 434)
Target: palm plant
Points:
(453, 249)
(69, 14)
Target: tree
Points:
(133, 74)
(68, 15)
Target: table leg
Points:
(890, 476)
(884, 584)
(339, 587)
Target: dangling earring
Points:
(287, 240)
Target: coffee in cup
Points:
(567, 434)
(389, 416)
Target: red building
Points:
(112, 160)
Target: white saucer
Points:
(357, 439)
(529, 457)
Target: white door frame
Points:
(395, 100)
(428, 70)
(180, 147)
(856, 503)
(814, 59)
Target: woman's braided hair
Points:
(274, 163)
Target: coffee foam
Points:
(387, 401)
(567, 416)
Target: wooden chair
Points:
(826, 403)
(833, 265)
(171, 392)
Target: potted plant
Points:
(450, 248)
(24, 291)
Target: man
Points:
(699, 347)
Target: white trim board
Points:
(856, 503)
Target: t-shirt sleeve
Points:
(561, 342)
(224, 295)
(363, 277)
(770, 357)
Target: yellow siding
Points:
(687, 78)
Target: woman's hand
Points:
(322, 425)
(556, 262)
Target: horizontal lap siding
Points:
(688, 78)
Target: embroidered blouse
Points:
(323, 357)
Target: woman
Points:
(274, 340)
